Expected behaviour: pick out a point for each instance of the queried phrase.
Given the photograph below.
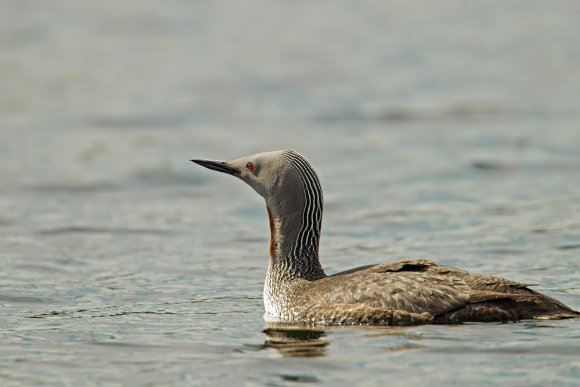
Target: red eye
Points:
(250, 166)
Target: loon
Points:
(407, 292)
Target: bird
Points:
(401, 293)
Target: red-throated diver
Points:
(407, 292)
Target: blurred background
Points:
(444, 129)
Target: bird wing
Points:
(410, 291)
(486, 283)
(414, 286)
(420, 291)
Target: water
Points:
(450, 132)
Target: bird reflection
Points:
(292, 340)
(295, 341)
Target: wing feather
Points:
(421, 291)
(415, 292)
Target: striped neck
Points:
(295, 214)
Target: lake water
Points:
(448, 130)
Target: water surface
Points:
(451, 133)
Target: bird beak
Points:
(220, 166)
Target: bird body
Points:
(408, 292)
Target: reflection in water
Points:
(293, 340)
(296, 342)
(299, 378)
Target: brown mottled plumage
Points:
(415, 292)
(400, 293)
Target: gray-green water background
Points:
(447, 129)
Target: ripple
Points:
(569, 247)
(98, 312)
(140, 121)
(166, 176)
(460, 110)
(492, 165)
(560, 350)
(103, 230)
(23, 299)
(74, 188)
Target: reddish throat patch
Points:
(272, 242)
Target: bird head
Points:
(264, 172)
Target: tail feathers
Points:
(489, 306)
(542, 307)
(558, 316)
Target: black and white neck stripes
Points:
(303, 249)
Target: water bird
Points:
(407, 292)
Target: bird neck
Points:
(294, 241)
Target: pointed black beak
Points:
(220, 166)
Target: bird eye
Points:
(250, 166)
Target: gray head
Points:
(282, 178)
(294, 200)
